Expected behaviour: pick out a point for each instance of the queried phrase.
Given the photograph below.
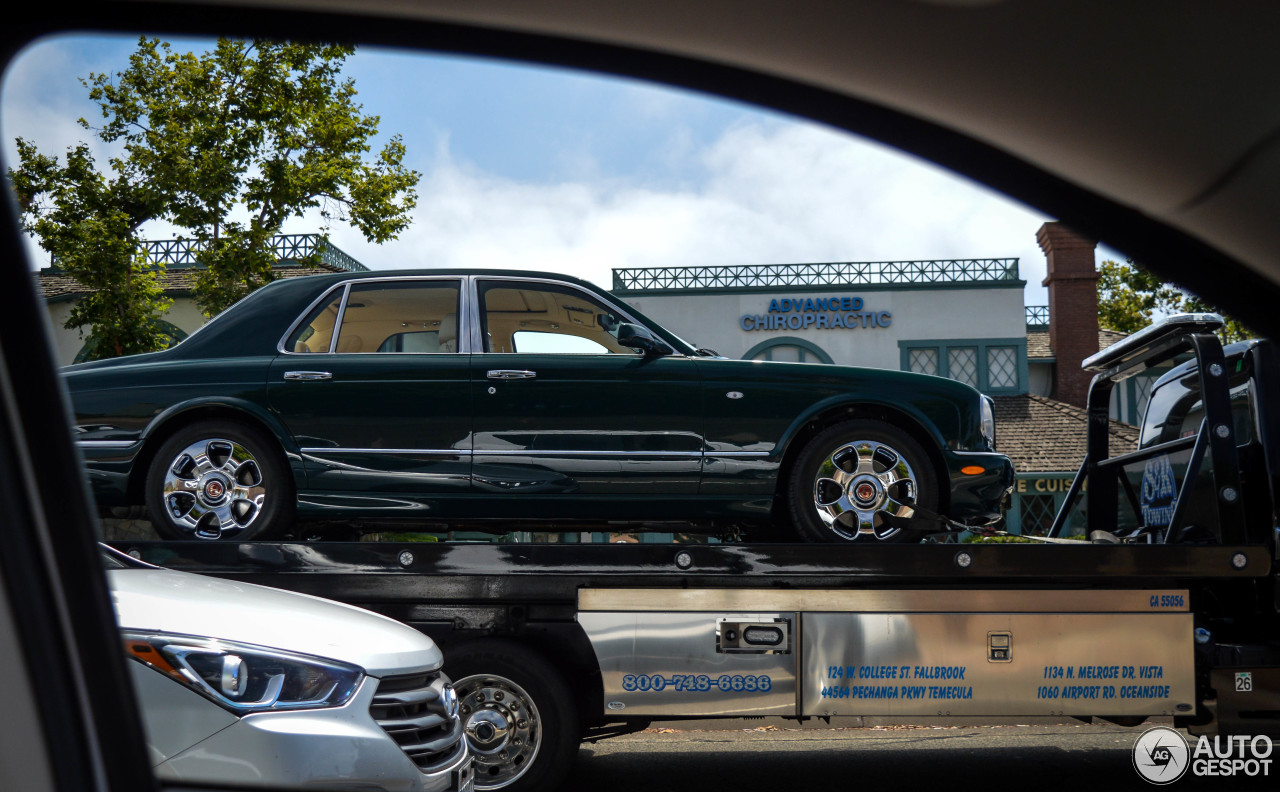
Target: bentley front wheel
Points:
(853, 479)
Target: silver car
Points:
(253, 685)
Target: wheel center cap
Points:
(864, 492)
(487, 731)
(214, 489)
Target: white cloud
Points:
(769, 193)
(43, 100)
(765, 191)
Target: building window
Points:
(1036, 513)
(1129, 399)
(1032, 513)
(997, 365)
(962, 365)
(1002, 367)
(923, 361)
(785, 349)
(1139, 392)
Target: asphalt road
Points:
(1079, 757)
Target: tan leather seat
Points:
(349, 343)
(448, 336)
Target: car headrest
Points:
(449, 328)
(448, 336)
(348, 342)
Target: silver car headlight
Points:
(245, 678)
(989, 422)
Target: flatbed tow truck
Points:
(1167, 607)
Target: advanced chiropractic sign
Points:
(818, 313)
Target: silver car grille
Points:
(412, 709)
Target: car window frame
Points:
(282, 346)
(478, 340)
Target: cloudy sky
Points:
(529, 167)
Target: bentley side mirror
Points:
(638, 337)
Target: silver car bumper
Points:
(341, 746)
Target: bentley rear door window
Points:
(316, 332)
(408, 316)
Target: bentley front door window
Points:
(545, 318)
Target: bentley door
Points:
(373, 385)
(563, 409)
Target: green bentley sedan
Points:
(479, 398)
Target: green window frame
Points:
(1130, 399)
(996, 366)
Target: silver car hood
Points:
(178, 602)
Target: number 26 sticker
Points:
(1244, 681)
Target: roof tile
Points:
(1038, 342)
(1042, 435)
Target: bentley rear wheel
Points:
(218, 480)
(853, 479)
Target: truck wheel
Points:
(518, 713)
(851, 476)
(219, 480)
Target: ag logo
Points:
(1161, 755)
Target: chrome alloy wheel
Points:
(213, 489)
(502, 727)
(860, 483)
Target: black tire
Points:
(872, 459)
(497, 682)
(219, 480)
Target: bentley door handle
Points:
(509, 374)
(307, 376)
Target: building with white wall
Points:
(960, 318)
(296, 255)
(963, 318)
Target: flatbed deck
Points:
(370, 573)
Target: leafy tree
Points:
(245, 137)
(89, 222)
(1129, 297)
(1231, 332)
(227, 145)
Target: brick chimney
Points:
(1073, 308)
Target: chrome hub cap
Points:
(213, 489)
(488, 732)
(866, 493)
(502, 726)
(859, 484)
